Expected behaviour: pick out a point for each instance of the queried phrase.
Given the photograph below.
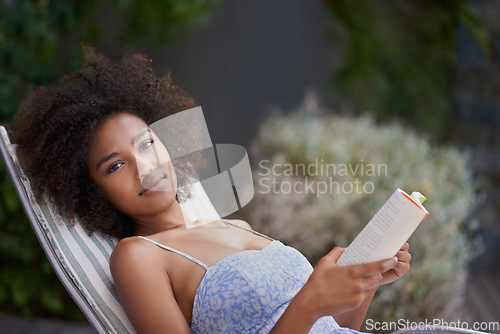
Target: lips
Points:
(153, 181)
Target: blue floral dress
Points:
(248, 291)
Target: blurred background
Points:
(411, 84)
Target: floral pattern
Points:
(248, 291)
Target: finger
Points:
(403, 256)
(367, 269)
(372, 281)
(402, 268)
(335, 253)
(405, 247)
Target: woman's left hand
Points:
(401, 268)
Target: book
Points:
(388, 230)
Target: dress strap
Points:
(177, 252)
(246, 229)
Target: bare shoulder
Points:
(128, 247)
(144, 287)
(240, 223)
(131, 253)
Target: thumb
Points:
(335, 253)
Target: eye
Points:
(146, 144)
(114, 167)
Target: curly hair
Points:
(54, 126)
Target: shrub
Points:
(386, 157)
(28, 285)
(382, 46)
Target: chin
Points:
(151, 204)
(161, 201)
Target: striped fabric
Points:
(82, 261)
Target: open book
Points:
(388, 230)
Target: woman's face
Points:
(132, 167)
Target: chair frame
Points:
(80, 260)
(47, 247)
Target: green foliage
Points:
(30, 50)
(40, 40)
(399, 56)
(163, 20)
(382, 158)
(28, 285)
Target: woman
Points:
(82, 140)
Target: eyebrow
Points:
(140, 135)
(114, 154)
(106, 159)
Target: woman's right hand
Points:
(332, 289)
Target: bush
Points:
(371, 162)
(382, 46)
(28, 285)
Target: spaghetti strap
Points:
(177, 252)
(195, 260)
(246, 229)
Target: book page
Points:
(386, 232)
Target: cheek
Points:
(117, 192)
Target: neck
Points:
(172, 218)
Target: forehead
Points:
(116, 131)
(122, 126)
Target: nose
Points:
(144, 166)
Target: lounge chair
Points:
(81, 261)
